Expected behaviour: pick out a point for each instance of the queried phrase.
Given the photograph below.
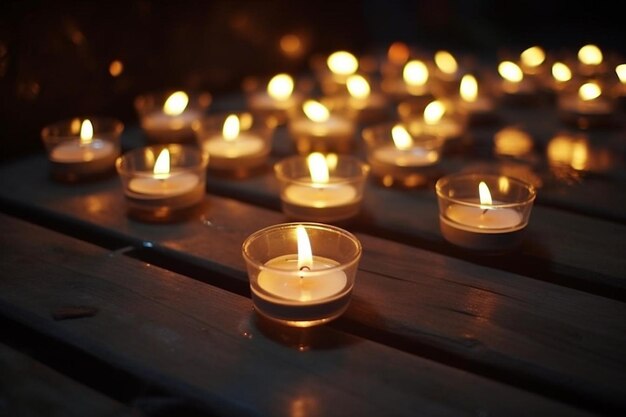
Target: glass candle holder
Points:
(484, 212)
(168, 116)
(82, 149)
(322, 129)
(163, 182)
(275, 97)
(236, 143)
(293, 288)
(334, 196)
(398, 156)
(437, 119)
(363, 97)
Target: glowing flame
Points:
(280, 87)
(358, 87)
(510, 71)
(485, 195)
(446, 62)
(533, 56)
(161, 168)
(176, 103)
(415, 73)
(398, 53)
(589, 91)
(503, 185)
(116, 67)
(342, 63)
(620, 70)
(469, 88)
(590, 55)
(561, 72)
(231, 127)
(433, 112)
(566, 150)
(331, 161)
(315, 111)
(305, 254)
(318, 168)
(401, 137)
(86, 132)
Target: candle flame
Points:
(561, 72)
(620, 70)
(358, 87)
(446, 62)
(161, 168)
(590, 55)
(176, 103)
(510, 71)
(485, 196)
(401, 137)
(533, 56)
(415, 73)
(398, 53)
(469, 88)
(567, 150)
(318, 168)
(433, 112)
(503, 185)
(342, 63)
(280, 86)
(86, 132)
(315, 111)
(589, 91)
(305, 253)
(231, 127)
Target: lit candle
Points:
(474, 106)
(291, 282)
(515, 87)
(590, 60)
(404, 151)
(323, 194)
(587, 107)
(371, 106)
(473, 219)
(435, 121)
(277, 99)
(532, 60)
(561, 76)
(447, 73)
(155, 187)
(77, 156)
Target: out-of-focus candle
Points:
(587, 107)
(590, 60)
(278, 97)
(474, 106)
(515, 87)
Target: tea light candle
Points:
(75, 156)
(514, 86)
(324, 193)
(471, 218)
(157, 188)
(477, 108)
(277, 99)
(435, 121)
(291, 282)
(589, 107)
(371, 106)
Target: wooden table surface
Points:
(102, 313)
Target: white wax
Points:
(320, 195)
(175, 184)
(478, 219)
(75, 151)
(412, 157)
(244, 145)
(301, 287)
(158, 120)
(445, 127)
(265, 101)
(334, 126)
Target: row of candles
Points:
(321, 185)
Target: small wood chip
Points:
(73, 312)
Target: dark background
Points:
(55, 56)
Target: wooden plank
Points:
(29, 388)
(205, 344)
(385, 300)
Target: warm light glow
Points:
(291, 45)
(305, 253)
(589, 91)
(485, 195)
(533, 56)
(398, 53)
(415, 73)
(176, 103)
(358, 87)
(503, 185)
(469, 88)
(315, 111)
(280, 86)
(567, 150)
(161, 168)
(590, 55)
(446, 62)
(318, 168)
(433, 112)
(331, 161)
(561, 72)
(116, 68)
(230, 131)
(401, 137)
(86, 132)
(512, 141)
(342, 63)
(510, 71)
(620, 70)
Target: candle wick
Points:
(485, 211)
(303, 268)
